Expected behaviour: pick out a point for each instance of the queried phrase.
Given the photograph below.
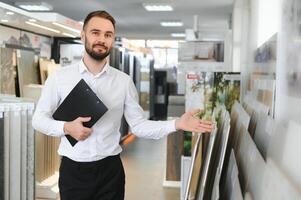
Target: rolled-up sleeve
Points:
(42, 119)
(139, 125)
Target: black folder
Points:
(80, 102)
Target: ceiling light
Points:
(69, 35)
(66, 27)
(172, 24)
(178, 35)
(10, 13)
(158, 7)
(32, 20)
(81, 22)
(4, 20)
(43, 27)
(34, 6)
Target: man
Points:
(92, 169)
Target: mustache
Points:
(100, 45)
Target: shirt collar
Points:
(83, 68)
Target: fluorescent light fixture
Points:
(43, 27)
(69, 35)
(158, 7)
(178, 35)
(66, 27)
(32, 20)
(10, 13)
(172, 23)
(34, 6)
(4, 20)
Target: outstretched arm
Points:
(142, 127)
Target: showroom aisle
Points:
(144, 163)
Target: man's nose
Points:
(101, 38)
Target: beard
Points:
(94, 54)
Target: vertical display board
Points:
(27, 65)
(199, 91)
(17, 154)
(7, 71)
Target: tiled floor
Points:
(144, 163)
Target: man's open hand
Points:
(76, 129)
(188, 122)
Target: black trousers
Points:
(99, 180)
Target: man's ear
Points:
(82, 36)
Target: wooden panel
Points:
(196, 170)
(47, 160)
(39, 154)
(44, 68)
(174, 153)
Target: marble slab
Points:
(7, 71)
(27, 69)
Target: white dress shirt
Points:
(118, 93)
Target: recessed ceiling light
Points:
(34, 6)
(43, 27)
(10, 13)
(66, 27)
(4, 20)
(172, 23)
(178, 35)
(158, 7)
(32, 20)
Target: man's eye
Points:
(108, 35)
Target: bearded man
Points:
(92, 169)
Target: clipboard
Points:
(80, 102)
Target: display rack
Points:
(18, 181)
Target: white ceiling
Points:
(133, 21)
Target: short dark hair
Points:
(99, 13)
